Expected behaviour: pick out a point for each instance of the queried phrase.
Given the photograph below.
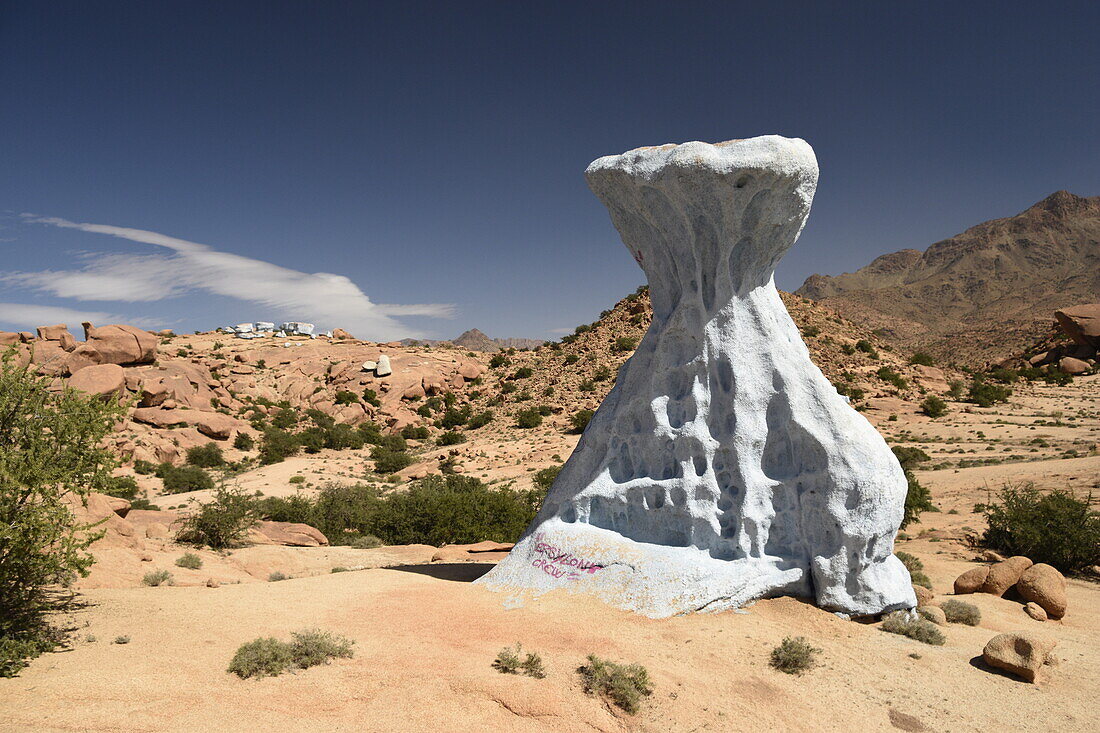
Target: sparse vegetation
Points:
(794, 655)
(157, 577)
(933, 406)
(276, 576)
(223, 522)
(269, 657)
(623, 684)
(1055, 528)
(206, 456)
(984, 394)
(451, 437)
(389, 461)
(921, 358)
(580, 419)
(189, 560)
(918, 498)
(529, 418)
(961, 612)
(626, 343)
(180, 479)
(913, 626)
(511, 661)
(244, 442)
(544, 479)
(915, 568)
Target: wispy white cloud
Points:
(324, 298)
(24, 316)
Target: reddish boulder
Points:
(1069, 365)
(119, 344)
(293, 534)
(52, 333)
(84, 355)
(1044, 585)
(1081, 323)
(213, 424)
(971, 581)
(470, 371)
(339, 333)
(1021, 654)
(101, 380)
(9, 338)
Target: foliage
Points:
(180, 479)
(984, 394)
(451, 437)
(244, 442)
(913, 626)
(454, 417)
(313, 647)
(413, 432)
(344, 397)
(277, 446)
(498, 360)
(587, 386)
(1055, 528)
(933, 406)
(918, 498)
(580, 419)
(206, 456)
(157, 577)
(480, 420)
(544, 479)
(623, 684)
(269, 657)
(122, 487)
(510, 661)
(387, 460)
(855, 394)
(867, 348)
(794, 655)
(144, 468)
(371, 397)
(956, 389)
(529, 418)
(223, 522)
(189, 560)
(275, 576)
(297, 479)
(295, 508)
(626, 343)
(51, 458)
(887, 374)
(922, 358)
(961, 612)
(523, 373)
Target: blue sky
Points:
(417, 168)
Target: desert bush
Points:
(913, 626)
(276, 576)
(51, 453)
(498, 360)
(510, 661)
(277, 446)
(389, 461)
(451, 437)
(123, 639)
(480, 420)
(855, 394)
(626, 343)
(223, 522)
(529, 418)
(343, 437)
(1055, 528)
(916, 569)
(961, 612)
(794, 655)
(602, 374)
(157, 577)
(922, 358)
(933, 406)
(366, 542)
(179, 479)
(867, 348)
(580, 419)
(623, 684)
(121, 487)
(811, 331)
(206, 456)
(918, 498)
(544, 479)
(266, 657)
(571, 359)
(956, 389)
(344, 397)
(984, 394)
(523, 373)
(312, 647)
(244, 442)
(455, 417)
(298, 479)
(414, 432)
(295, 508)
(587, 386)
(144, 468)
(887, 374)
(189, 560)
(1004, 375)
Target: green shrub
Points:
(794, 655)
(811, 331)
(523, 373)
(961, 612)
(544, 479)
(887, 374)
(480, 420)
(17, 651)
(922, 359)
(295, 508)
(413, 432)
(571, 359)
(498, 360)
(913, 626)
(277, 446)
(529, 418)
(580, 419)
(180, 479)
(344, 397)
(244, 442)
(587, 386)
(343, 437)
(157, 577)
(984, 394)
(1004, 375)
(918, 498)
(623, 684)
(455, 417)
(223, 522)
(313, 647)
(124, 639)
(451, 437)
(602, 374)
(144, 468)
(189, 560)
(867, 348)
(276, 576)
(371, 397)
(956, 389)
(933, 406)
(338, 569)
(297, 480)
(389, 461)
(267, 657)
(509, 661)
(626, 343)
(206, 456)
(370, 433)
(911, 562)
(121, 487)
(1055, 528)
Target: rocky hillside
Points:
(983, 294)
(476, 340)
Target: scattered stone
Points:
(971, 581)
(383, 369)
(369, 366)
(414, 392)
(1004, 575)
(339, 333)
(1042, 584)
(1033, 609)
(211, 583)
(1020, 653)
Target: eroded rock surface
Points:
(723, 466)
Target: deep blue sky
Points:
(433, 152)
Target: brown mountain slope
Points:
(982, 294)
